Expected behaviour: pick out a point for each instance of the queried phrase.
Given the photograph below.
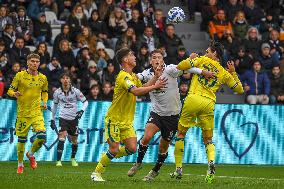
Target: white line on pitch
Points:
(260, 178)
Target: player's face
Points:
(33, 64)
(157, 60)
(65, 80)
(209, 53)
(131, 59)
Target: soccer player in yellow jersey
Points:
(198, 108)
(30, 89)
(119, 118)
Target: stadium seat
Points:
(55, 32)
(50, 17)
(50, 49)
(32, 48)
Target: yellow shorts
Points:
(23, 125)
(117, 132)
(197, 111)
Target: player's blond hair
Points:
(33, 55)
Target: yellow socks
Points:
(20, 151)
(37, 145)
(105, 160)
(210, 150)
(179, 149)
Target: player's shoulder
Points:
(42, 76)
(21, 73)
(76, 90)
(123, 75)
(58, 90)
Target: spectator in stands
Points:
(95, 93)
(86, 35)
(267, 25)
(128, 39)
(252, 42)
(149, 38)
(281, 33)
(219, 26)
(64, 9)
(109, 74)
(267, 60)
(83, 58)
(24, 24)
(117, 25)
(183, 90)
(242, 61)
(42, 30)
(143, 61)
(208, 12)
(126, 5)
(136, 22)
(53, 72)
(98, 27)
(277, 46)
(107, 91)
(182, 55)
(105, 9)
(277, 86)
(256, 84)
(9, 76)
(2, 84)
(64, 35)
(90, 78)
(36, 7)
(101, 57)
(51, 5)
(159, 22)
(41, 50)
(4, 18)
(5, 62)
(88, 7)
(19, 52)
(240, 26)
(9, 36)
(171, 42)
(65, 56)
(253, 13)
(76, 21)
(232, 7)
(146, 9)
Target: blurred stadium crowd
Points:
(82, 37)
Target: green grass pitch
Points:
(68, 177)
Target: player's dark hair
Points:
(156, 51)
(67, 74)
(121, 53)
(218, 48)
(33, 55)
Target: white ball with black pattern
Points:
(176, 15)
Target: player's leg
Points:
(150, 130)
(22, 129)
(112, 135)
(73, 133)
(60, 146)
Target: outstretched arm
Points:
(233, 82)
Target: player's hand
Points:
(161, 83)
(17, 94)
(246, 88)
(208, 74)
(52, 124)
(193, 55)
(231, 66)
(79, 114)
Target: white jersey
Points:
(166, 101)
(68, 102)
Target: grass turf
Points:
(68, 177)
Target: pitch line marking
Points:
(259, 178)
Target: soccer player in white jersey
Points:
(164, 116)
(67, 97)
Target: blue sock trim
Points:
(110, 155)
(178, 139)
(22, 139)
(129, 152)
(41, 135)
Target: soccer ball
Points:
(176, 15)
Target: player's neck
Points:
(127, 69)
(32, 72)
(66, 88)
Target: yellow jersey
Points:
(207, 87)
(33, 89)
(122, 108)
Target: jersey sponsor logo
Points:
(209, 82)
